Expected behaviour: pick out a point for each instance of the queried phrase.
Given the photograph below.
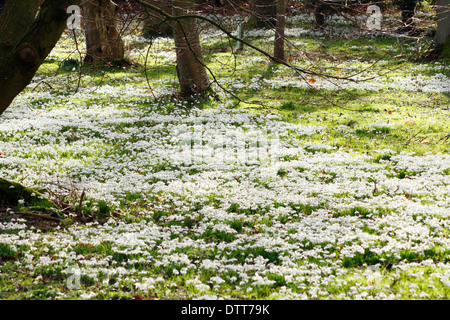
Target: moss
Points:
(12, 192)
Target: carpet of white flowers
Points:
(227, 203)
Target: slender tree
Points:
(279, 30)
(190, 67)
(103, 41)
(442, 37)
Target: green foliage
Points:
(288, 106)
(104, 209)
(237, 225)
(354, 212)
(6, 252)
(70, 64)
(282, 172)
(384, 157)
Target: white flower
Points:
(88, 295)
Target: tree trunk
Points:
(264, 13)
(190, 68)
(319, 10)
(103, 41)
(408, 8)
(278, 51)
(153, 21)
(442, 37)
(27, 35)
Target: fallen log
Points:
(12, 192)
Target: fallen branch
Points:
(37, 215)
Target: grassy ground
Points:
(300, 190)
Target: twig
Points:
(79, 213)
(410, 139)
(37, 215)
(43, 81)
(145, 69)
(81, 56)
(375, 189)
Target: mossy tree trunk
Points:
(103, 41)
(12, 192)
(191, 70)
(27, 35)
(154, 22)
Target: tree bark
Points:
(442, 37)
(103, 41)
(279, 30)
(190, 68)
(319, 10)
(264, 13)
(27, 35)
(154, 24)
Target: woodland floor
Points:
(305, 189)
